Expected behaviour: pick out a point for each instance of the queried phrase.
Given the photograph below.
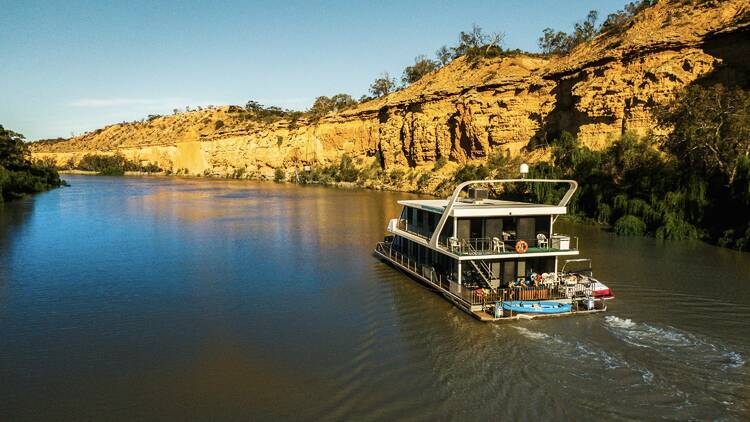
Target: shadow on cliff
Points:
(732, 49)
(565, 117)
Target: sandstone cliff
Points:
(461, 112)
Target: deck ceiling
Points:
(488, 208)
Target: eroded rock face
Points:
(461, 112)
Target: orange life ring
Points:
(522, 246)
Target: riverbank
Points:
(127, 173)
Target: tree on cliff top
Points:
(476, 45)
(383, 85)
(443, 55)
(615, 22)
(558, 42)
(324, 105)
(422, 66)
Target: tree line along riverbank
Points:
(19, 175)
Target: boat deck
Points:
(478, 306)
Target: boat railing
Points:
(497, 246)
(403, 225)
(428, 272)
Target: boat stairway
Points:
(483, 269)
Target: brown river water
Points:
(164, 298)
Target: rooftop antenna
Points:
(524, 170)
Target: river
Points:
(149, 297)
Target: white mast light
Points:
(524, 170)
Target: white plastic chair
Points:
(541, 240)
(497, 245)
(453, 243)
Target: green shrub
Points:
(239, 173)
(395, 176)
(676, 228)
(423, 181)
(151, 168)
(439, 163)
(603, 213)
(471, 172)
(347, 172)
(630, 225)
(107, 165)
(218, 124)
(279, 175)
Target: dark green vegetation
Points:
(421, 67)
(269, 114)
(111, 165)
(383, 85)
(324, 105)
(20, 176)
(278, 175)
(343, 171)
(693, 183)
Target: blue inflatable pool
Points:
(536, 307)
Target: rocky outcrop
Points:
(462, 112)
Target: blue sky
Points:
(73, 66)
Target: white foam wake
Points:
(582, 352)
(673, 341)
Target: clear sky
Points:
(73, 66)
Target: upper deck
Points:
(470, 224)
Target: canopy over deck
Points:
(486, 208)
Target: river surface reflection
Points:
(140, 298)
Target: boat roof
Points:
(485, 208)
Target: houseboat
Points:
(498, 260)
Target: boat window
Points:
(422, 221)
(447, 231)
(495, 267)
(431, 223)
(526, 230)
(509, 229)
(493, 227)
(509, 271)
(521, 269)
(464, 229)
(477, 228)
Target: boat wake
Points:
(674, 342)
(582, 352)
(534, 335)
